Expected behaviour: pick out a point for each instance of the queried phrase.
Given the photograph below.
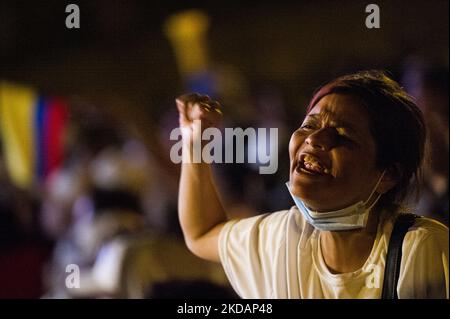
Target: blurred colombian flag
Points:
(32, 128)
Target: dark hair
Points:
(396, 123)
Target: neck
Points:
(347, 251)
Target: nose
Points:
(322, 139)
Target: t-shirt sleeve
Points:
(248, 250)
(424, 268)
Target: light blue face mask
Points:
(349, 218)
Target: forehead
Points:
(341, 108)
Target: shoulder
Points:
(425, 229)
(248, 248)
(263, 227)
(424, 272)
(268, 222)
(426, 237)
(422, 228)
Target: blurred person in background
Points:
(24, 249)
(111, 234)
(429, 85)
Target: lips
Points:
(311, 164)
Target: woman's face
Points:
(332, 155)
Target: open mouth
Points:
(310, 164)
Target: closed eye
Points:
(306, 127)
(342, 133)
(344, 139)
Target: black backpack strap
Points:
(394, 255)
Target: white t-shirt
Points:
(278, 255)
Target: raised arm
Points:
(200, 211)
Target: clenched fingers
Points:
(194, 106)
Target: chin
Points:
(305, 192)
(311, 195)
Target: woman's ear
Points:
(390, 178)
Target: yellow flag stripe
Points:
(17, 107)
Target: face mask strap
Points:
(374, 190)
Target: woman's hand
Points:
(195, 107)
(200, 211)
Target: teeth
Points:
(310, 159)
(313, 167)
(311, 163)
